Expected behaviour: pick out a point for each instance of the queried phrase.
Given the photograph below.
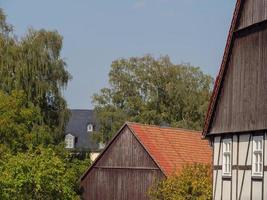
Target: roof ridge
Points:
(163, 127)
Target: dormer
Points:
(69, 140)
(90, 128)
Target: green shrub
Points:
(193, 183)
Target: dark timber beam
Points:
(132, 168)
(251, 29)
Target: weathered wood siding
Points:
(253, 11)
(125, 171)
(241, 185)
(242, 102)
(126, 151)
(118, 184)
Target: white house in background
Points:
(236, 123)
(79, 130)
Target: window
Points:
(89, 128)
(257, 160)
(69, 140)
(227, 157)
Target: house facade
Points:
(79, 132)
(137, 156)
(236, 123)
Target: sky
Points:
(96, 32)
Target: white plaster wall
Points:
(246, 189)
(235, 146)
(243, 146)
(216, 151)
(217, 195)
(257, 190)
(227, 189)
(234, 184)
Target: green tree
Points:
(20, 123)
(33, 113)
(153, 91)
(33, 64)
(39, 174)
(193, 183)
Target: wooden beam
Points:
(251, 29)
(120, 167)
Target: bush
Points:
(193, 183)
(40, 174)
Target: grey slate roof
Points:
(77, 126)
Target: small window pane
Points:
(227, 166)
(257, 167)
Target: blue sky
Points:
(96, 32)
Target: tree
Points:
(39, 174)
(20, 123)
(34, 64)
(193, 183)
(153, 91)
(33, 161)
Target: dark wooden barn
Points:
(138, 156)
(236, 122)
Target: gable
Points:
(239, 95)
(126, 151)
(242, 102)
(253, 11)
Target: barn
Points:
(236, 122)
(139, 155)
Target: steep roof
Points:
(170, 148)
(77, 126)
(219, 79)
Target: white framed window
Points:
(227, 158)
(69, 140)
(90, 128)
(257, 156)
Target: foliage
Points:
(39, 174)
(33, 113)
(20, 127)
(152, 91)
(34, 64)
(193, 183)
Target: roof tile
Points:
(172, 148)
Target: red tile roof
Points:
(219, 79)
(172, 148)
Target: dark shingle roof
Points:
(77, 126)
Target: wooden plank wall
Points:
(125, 171)
(241, 185)
(242, 102)
(126, 151)
(253, 11)
(116, 184)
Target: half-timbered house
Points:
(138, 156)
(236, 122)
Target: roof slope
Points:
(222, 71)
(172, 148)
(77, 126)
